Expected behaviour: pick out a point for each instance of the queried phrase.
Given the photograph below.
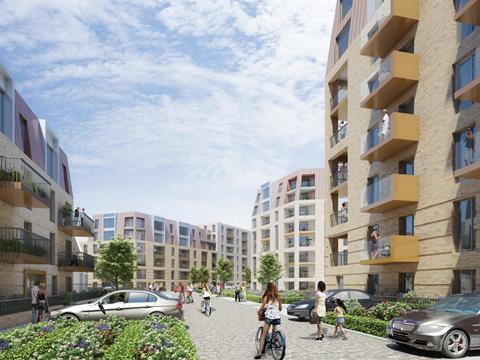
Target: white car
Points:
(130, 304)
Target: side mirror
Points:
(100, 305)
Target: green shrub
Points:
(355, 308)
(363, 324)
(388, 310)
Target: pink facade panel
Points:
(25, 119)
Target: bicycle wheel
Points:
(208, 311)
(258, 337)
(279, 345)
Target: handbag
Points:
(314, 319)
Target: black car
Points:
(303, 309)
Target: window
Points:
(85, 248)
(129, 222)
(95, 235)
(140, 223)
(108, 235)
(95, 248)
(96, 223)
(464, 281)
(342, 40)
(25, 136)
(171, 228)
(276, 215)
(108, 223)
(128, 233)
(405, 282)
(346, 6)
(373, 284)
(277, 201)
(464, 147)
(140, 235)
(141, 274)
(52, 206)
(465, 30)
(460, 3)
(340, 281)
(373, 189)
(406, 167)
(408, 107)
(52, 163)
(141, 262)
(280, 186)
(183, 231)
(265, 193)
(465, 222)
(158, 238)
(266, 206)
(158, 225)
(115, 298)
(464, 74)
(406, 225)
(140, 247)
(66, 182)
(137, 297)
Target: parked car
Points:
(303, 309)
(130, 304)
(451, 326)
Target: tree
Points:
(203, 275)
(247, 276)
(270, 269)
(116, 262)
(224, 270)
(194, 275)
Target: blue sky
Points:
(180, 108)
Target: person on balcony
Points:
(385, 125)
(344, 213)
(374, 241)
(469, 146)
(74, 260)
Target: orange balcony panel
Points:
(397, 249)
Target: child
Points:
(340, 311)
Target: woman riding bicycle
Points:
(270, 309)
(206, 297)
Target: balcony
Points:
(289, 213)
(339, 178)
(398, 72)
(339, 258)
(404, 131)
(392, 20)
(290, 242)
(339, 217)
(395, 249)
(21, 185)
(338, 135)
(338, 100)
(470, 91)
(75, 261)
(19, 246)
(307, 196)
(468, 11)
(467, 160)
(391, 192)
(308, 183)
(81, 225)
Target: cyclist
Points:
(190, 293)
(271, 307)
(206, 297)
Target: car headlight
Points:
(431, 328)
(390, 323)
(303, 306)
(54, 313)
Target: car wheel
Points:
(157, 313)
(70, 317)
(455, 344)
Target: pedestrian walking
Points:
(237, 293)
(34, 295)
(243, 293)
(340, 311)
(320, 309)
(43, 311)
(150, 286)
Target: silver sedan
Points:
(130, 304)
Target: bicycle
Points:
(206, 309)
(189, 298)
(275, 343)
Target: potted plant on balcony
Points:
(67, 210)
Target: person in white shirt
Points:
(385, 130)
(34, 293)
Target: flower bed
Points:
(287, 297)
(363, 324)
(114, 338)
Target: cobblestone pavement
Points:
(230, 332)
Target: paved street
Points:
(230, 331)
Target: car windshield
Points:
(458, 304)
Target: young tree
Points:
(247, 276)
(194, 275)
(224, 270)
(203, 275)
(116, 262)
(270, 269)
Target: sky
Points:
(179, 108)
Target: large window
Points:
(465, 30)
(140, 223)
(140, 235)
(128, 233)
(464, 74)
(464, 281)
(108, 235)
(158, 225)
(346, 6)
(141, 274)
(108, 222)
(406, 167)
(266, 206)
(465, 224)
(129, 222)
(465, 147)
(52, 163)
(183, 231)
(406, 225)
(342, 40)
(460, 3)
(373, 189)
(373, 284)
(96, 223)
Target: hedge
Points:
(287, 297)
(363, 324)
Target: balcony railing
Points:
(468, 11)
(290, 213)
(340, 217)
(339, 96)
(305, 241)
(80, 225)
(390, 192)
(21, 185)
(339, 177)
(307, 196)
(20, 246)
(290, 243)
(339, 135)
(385, 140)
(467, 156)
(391, 250)
(397, 73)
(75, 261)
(339, 258)
(391, 21)
(307, 183)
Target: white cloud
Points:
(223, 92)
